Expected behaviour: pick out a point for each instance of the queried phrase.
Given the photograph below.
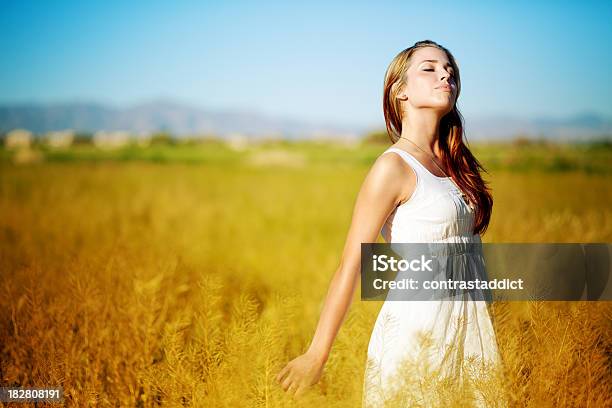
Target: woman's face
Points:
(430, 81)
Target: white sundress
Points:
(456, 331)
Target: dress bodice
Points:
(436, 211)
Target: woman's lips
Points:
(445, 88)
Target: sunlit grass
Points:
(145, 281)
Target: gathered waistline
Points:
(438, 248)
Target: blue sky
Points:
(316, 61)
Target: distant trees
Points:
(83, 138)
(162, 138)
(377, 137)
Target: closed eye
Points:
(431, 69)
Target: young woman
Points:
(428, 190)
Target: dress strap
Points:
(408, 159)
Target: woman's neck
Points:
(423, 130)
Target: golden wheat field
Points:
(151, 281)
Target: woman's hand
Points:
(300, 373)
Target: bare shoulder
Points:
(391, 174)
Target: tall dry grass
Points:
(140, 284)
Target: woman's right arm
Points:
(385, 186)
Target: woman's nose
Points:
(446, 76)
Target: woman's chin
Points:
(443, 107)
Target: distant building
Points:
(18, 139)
(60, 139)
(237, 141)
(111, 140)
(349, 140)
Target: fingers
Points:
(287, 382)
(282, 373)
(294, 388)
(291, 388)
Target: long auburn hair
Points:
(463, 166)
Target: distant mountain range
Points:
(583, 126)
(182, 120)
(178, 119)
